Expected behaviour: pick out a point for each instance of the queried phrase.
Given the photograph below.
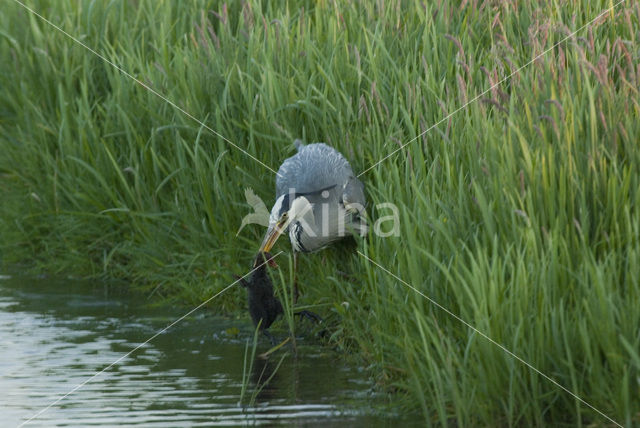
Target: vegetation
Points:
(520, 213)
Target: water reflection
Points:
(264, 378)
(54, 335)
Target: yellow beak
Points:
(272, 236)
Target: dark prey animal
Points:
(264, 306)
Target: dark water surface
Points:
(54, 335)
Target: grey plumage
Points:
(325, 179)
(318, 201)
(315, 166)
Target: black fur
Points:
(263, 304)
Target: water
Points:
(54, 335)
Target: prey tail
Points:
(315, 318)
(310, 316)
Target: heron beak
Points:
(272, 236)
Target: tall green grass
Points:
(519, 214)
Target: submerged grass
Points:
(258, 379)
(520, 213)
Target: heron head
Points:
(285, 211)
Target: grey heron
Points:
(318, 200)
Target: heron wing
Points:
(353, 193)
(315, 167)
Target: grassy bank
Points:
(520, 213)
